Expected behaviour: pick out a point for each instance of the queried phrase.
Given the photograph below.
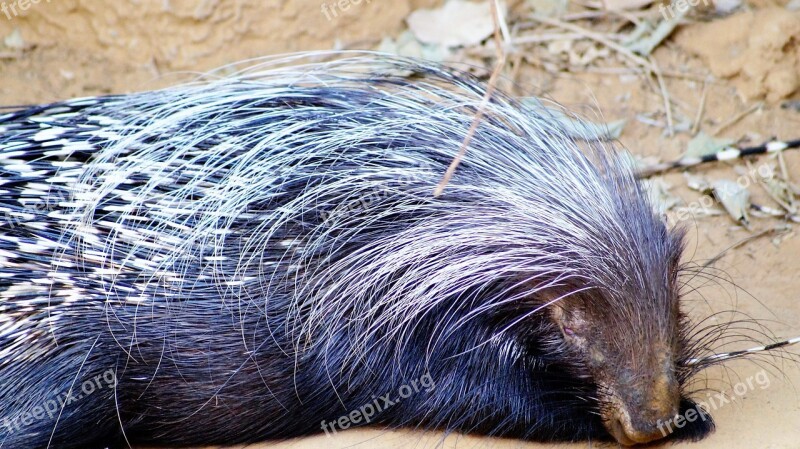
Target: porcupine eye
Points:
(571, 324)
(573, 332)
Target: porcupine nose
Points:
(647, 416)
(631, 431)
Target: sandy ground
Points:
(67, 48)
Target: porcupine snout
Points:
(638, 413)
(640, 395)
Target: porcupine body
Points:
(257, 255)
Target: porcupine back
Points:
(253, 254)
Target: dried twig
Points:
(538, 38)
(700, 110)
(592, 15)
(736, 118)
(490, 88)
(744, 241)
(638, 60)
(629, 71)
(665, 95)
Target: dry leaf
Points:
(725, 7)
(734, 198)
(549, 8)
(703, 145)
(781, 193)
(645, 39)
(14, 40)
(660, 197)
(457, 23)
(407, 45)
(696, 183)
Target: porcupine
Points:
(253, 255)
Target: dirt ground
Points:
(742, 67)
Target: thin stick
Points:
(784, 171)
(664, 95)
(595, 37)
(700, 110)
(547, 37)
(500, 23)
(516, 63)
(737, 117)
(490, 88)
(743, 242)
(628, 70)
(786, 206)
(590, 15)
